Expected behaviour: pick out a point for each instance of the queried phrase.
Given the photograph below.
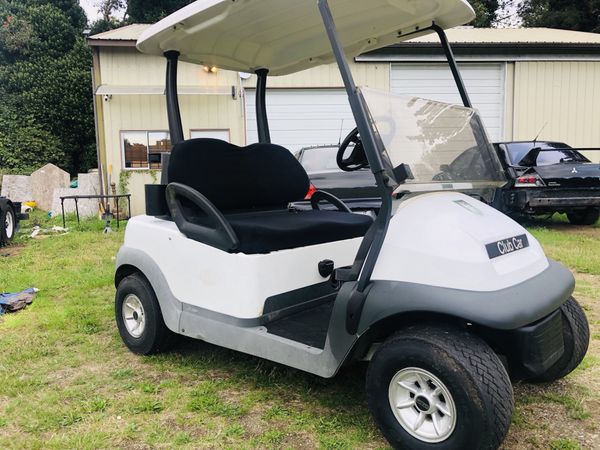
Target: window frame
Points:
(122, 145)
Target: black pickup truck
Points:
(10, 215)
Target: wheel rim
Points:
(134, 315)
(422, 404)
(9, 225)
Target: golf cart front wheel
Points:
(586, 217)
(139, 317)
(439, 388)
(8, 225)
(576, 338)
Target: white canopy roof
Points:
(287, 36)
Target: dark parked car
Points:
(547, 177)
(10, 215)
(357, 189)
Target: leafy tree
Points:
(150, 11)
(45, 86)
(578, 15)
(24, 144)
(486, 12)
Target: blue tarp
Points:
(14, 301)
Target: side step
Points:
(308, 327)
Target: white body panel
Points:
(484, 82)
(435, 241)
(230, 283)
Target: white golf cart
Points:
(440, 293)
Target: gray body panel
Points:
(504, 310)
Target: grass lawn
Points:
(67, 381)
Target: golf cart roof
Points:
(287, 36)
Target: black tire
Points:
(155, 337)
(576, 338)
(7, 236)
(587, 216)
(472, 373)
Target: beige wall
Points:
(562, 97)
(365, 74)
(126, 67)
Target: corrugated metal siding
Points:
(302, 117)
(562, 97)
(485, 84)
(128, 67)
(376, 76)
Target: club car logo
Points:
(506, 246)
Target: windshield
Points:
(518, 150)
(444, 145)
(319, 159)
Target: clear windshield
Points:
(319, 159)
(444, 145)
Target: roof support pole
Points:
(175, 127)
(262, 122)
(173, 112)
(453, 66)
(373, 241)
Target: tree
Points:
(486, 12)
(578, 15)
(150, 11)
(108, 21)
(45, 84)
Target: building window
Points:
(143, 149)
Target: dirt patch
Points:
(11, 251)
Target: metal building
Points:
(523, 81)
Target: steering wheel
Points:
(357, 159)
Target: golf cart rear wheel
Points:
(439, 388)
(139, 317)
(8, 225)
(576, 338)
(586, 217)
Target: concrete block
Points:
(17, 188)
(45, 181)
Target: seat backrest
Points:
(258, 176)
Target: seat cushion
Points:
(264, 232)
(259, 176)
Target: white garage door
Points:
(485, 85)
(302, 117)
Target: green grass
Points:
(564, 444)
(67, 380)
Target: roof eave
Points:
(110, 43)
(507, 48)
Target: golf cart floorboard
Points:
(308, 327)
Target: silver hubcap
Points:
(9, 225)
(422, 405)
(134, 316)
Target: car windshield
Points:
(445, 146)
(518, 150)
(319, 159)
